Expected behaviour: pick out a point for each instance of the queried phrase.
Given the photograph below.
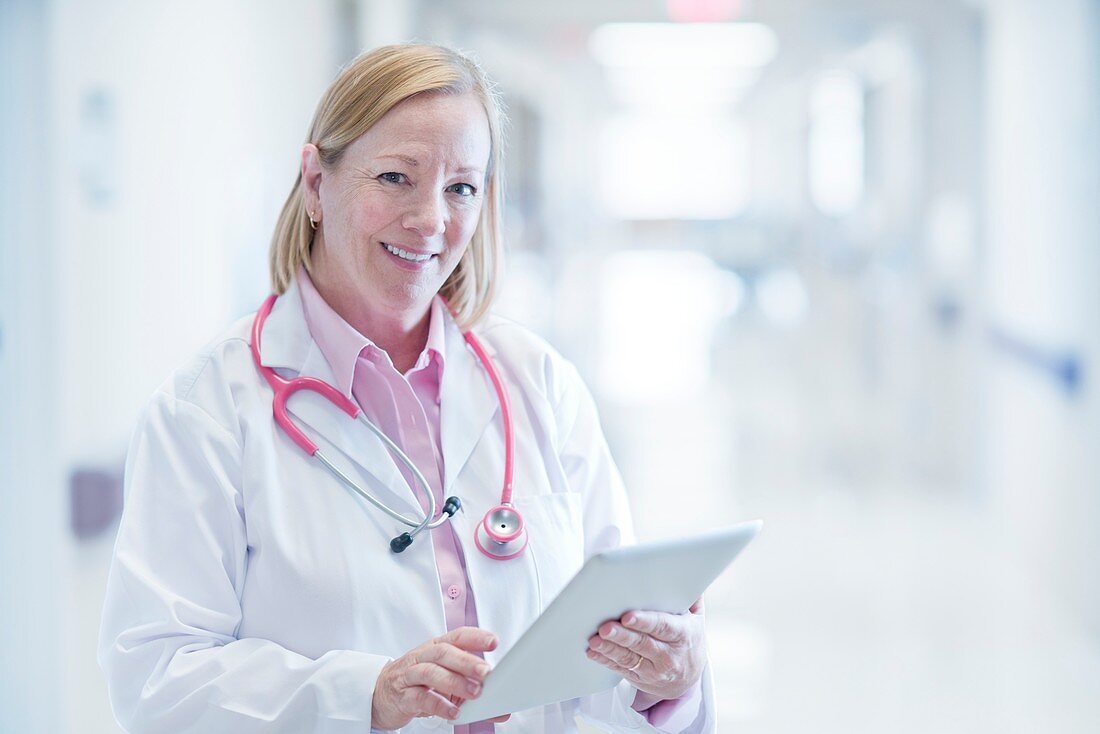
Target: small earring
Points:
(312, 223)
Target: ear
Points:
(311, 179)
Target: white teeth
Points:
(406, 255)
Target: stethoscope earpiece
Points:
(452, 505)
(401, 542)
(404, 540)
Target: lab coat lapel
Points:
(287, 345)
(473, 451)
(468, 404)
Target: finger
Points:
(643, 644)
(663, 626)
(472, 639)
(697, 607)
(425, 702)
(615, 653)
(450, 657)
(441, 680)
(609, 663)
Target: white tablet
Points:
(548, 664)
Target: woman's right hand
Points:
(433, 679)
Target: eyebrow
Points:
(414, 163)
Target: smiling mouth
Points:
(406, 255)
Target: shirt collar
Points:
(341, 344)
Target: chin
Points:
(410, 298)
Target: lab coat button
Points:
(453, 591)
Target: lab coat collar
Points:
(285, 341)
(287, 346)
(468, 401)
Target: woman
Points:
(250, 589)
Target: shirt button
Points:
(453, 591)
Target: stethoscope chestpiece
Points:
(502, 534)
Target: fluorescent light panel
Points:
(680, 45)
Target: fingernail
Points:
(452, 713)
(629, 620)
(483, 670)
(489, 640)
(613, 633)
(473, 688)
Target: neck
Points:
(402, 338)
(400, 334)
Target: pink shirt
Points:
(406, 408)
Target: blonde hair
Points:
(364, 91)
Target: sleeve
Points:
(168, 638)
(587, 461)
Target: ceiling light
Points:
(679, 45)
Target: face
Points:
(398, 211)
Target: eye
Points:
(392, 177)
(464, 189)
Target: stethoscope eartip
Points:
(452, 505)
(401, 542)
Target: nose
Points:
(426, 216)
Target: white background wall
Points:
(33, 532)
(1042, 262)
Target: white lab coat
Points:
(250, 591)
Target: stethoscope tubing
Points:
(505, 414)
(418, 525)
(284, 388)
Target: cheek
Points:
(366, 219)
(466, 226)
(455, 253)
(459, 231)
(454, 257)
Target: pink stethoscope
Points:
(501, 535)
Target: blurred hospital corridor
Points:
(834, 264)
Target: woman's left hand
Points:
(661, 654)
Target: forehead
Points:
(429, 130)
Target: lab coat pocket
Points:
(556, 540)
